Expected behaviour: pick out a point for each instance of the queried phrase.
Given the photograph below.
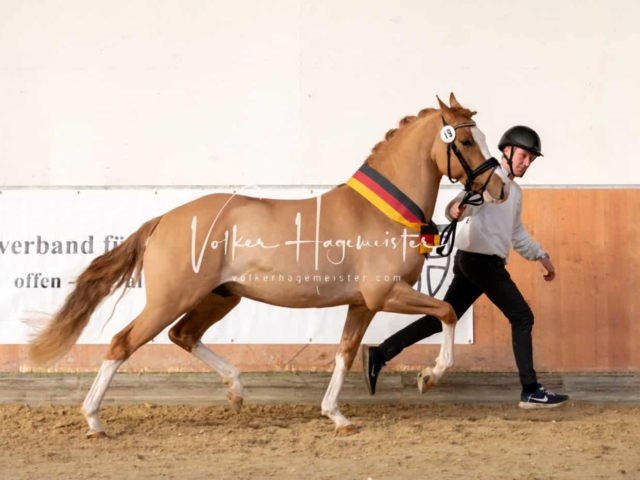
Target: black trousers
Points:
(475, 274)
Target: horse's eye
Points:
(466, 143)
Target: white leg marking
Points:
(230, 374)
(330, 401)
(429, 377)
(445, 358)
(91, 405)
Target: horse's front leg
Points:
(358, 319)
(404, 299)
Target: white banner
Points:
(47, 237)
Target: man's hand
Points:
(455, 211)
(550, 270)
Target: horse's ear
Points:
(443, 106)
(446, 111)
(453, 101)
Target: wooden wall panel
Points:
(586, 320)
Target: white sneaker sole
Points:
(536, 406)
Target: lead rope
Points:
(448, 235)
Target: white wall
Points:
(293, 92)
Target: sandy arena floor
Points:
(294, 441)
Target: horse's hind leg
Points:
(140, 331)
(358, 320)
(190, 329)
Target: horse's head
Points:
(461, 153)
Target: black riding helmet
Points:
(523, 137)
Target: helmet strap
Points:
(510, 160)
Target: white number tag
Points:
(448, 134)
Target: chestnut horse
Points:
(350, 246)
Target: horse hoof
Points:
(96, 435)
(347, 430)
(426, 380)
(235, 401)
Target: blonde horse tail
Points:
(103, 276)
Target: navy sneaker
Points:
(542, 398)
(372, 362)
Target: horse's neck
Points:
(408, 165)
(430, 193)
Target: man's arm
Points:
(467, 210)
(529, 248)
(524, 244)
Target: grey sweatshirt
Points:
(492, 229)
